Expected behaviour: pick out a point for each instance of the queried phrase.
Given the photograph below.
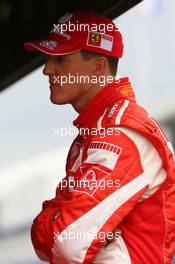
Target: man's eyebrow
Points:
(45, 56)
(60, 56)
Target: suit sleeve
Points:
(100, 192)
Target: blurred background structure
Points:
(32, 149)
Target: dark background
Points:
(24, 20)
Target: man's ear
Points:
(100, 65)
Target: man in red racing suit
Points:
(116, 203)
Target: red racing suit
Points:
(120, 175)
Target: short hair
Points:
(112, 61)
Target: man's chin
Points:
(58, 101)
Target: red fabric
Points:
(148, 226)
(92, 37)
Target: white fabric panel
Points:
(102, 157)
(115, 252)
(74, 250)
(151, 161)
(121, 112)
(78, 161)
(99, 122)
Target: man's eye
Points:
(46, 57)
(59, 58)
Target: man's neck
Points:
(80, 104)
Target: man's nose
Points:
(48, 68)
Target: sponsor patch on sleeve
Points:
(92, 178)
(103, 153)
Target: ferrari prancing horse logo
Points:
(95, 37)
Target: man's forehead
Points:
(71, 55)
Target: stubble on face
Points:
(76, 93)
